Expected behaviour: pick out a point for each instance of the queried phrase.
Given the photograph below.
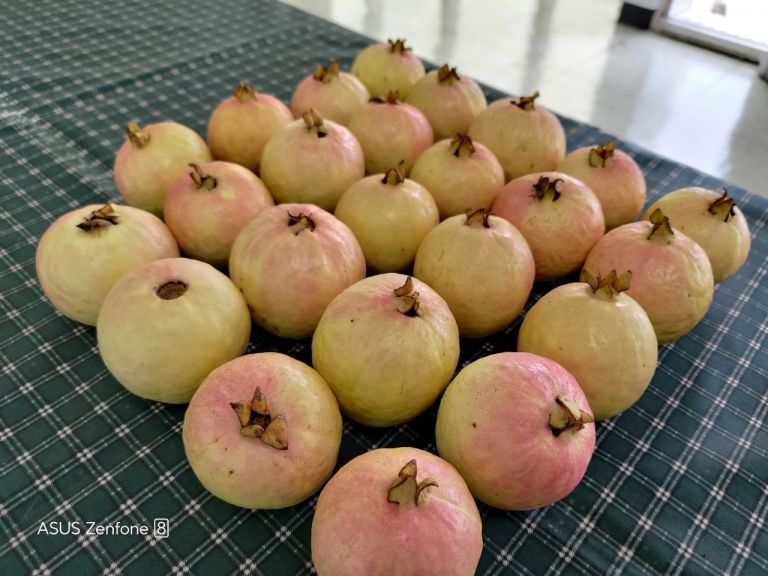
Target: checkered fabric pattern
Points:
(678, 484)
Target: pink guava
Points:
(524, 138)
(671, 274)
(241, 125)
(517, 428)
(482, 266)
(559, 216)
(165, 325)
(85, 251)
(387, 67)
(152, 158)
(312, 161)
(387, 346)
(390, 132)
(449, 101)
(290, 262)
(207, 207)
(263, 431)
(711, 220)
(334, 94)
(397, 511)
(600, 335)
(613, 176)
(389, 215)
(459, 174)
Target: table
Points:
(678, 484)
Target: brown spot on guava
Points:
(171, 290)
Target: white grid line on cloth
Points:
(679, 506)
(747, 542)
(158, 468)
(682, 409)
(507, 554)
(81, 494)
(690, 474)
(725, 477)
(73, 443)
(671, 479)
(12, 366)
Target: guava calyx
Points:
(611, 284)
(326, 74)
(393, 97)
(478, 216)
(202, 181)
(407, 299)
(397, 46)
(567, 416)
(527, 103)
(600, 154)
(314, 123)
(462, 143)
(299, 222)
(101, 218)
(256, 421)
(138, 137)
(406, 491)
(171, 290)
(394, 176)
(447, 75)
(661, 229)
(723, 206)
(245, 92)
(546, 189)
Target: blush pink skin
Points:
(606, 342)
(144, 174)
(484, 274)
(382, 70)
(239, 129)
(726, 243)
(356, 531)
(619, 185)
(524, 141)
(300, 166)
(389, 220)
(560, 233)
(206, 222)
(389, 134)
(493, 427)
(336, 98)
(450, 106)
(245, 471)
(77, 269)
(162, 349)
(289, 278)
(671, 277)
(470, 180)
(385, 367)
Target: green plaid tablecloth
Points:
(678, 484)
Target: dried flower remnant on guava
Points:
(600, 154)
(257, 422)
(568, 417)
(407, 299)
(406, 491)
(104, 216)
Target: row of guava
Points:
(488, 209)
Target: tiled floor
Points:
(687, 103)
